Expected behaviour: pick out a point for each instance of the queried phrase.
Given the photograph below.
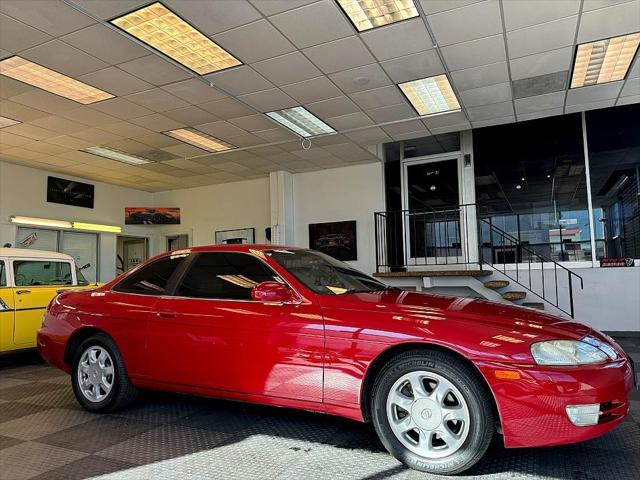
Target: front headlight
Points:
(566, 352)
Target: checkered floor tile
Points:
(44, 434)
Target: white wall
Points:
(23, 191)
(226, 206)
(338, 194)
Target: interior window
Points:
(151, 279)
(3, 274)
(224, 276)
(29, 273)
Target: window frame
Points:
(171, 281)
(192, 258)
(74, 279)
(4, 267)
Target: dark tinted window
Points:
(151, 279)
(224, 276)
(3, 275)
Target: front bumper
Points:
(532, 408)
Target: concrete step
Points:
(513, 296)
(536, 305)
(496, 284)
(434, 273)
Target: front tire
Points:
(431, 412)
(99, 378)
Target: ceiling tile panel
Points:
(583, 107)
(548, 36)
(524, 13)
(411, 126)
(378, 97)
(253, 123)
(96, 136)
(214, 17)
(275, 134)
(333, 107)
(115, 81)
(494, 121)
(157, 100)
(488, 112)
(194, 91)
(288, 68)
(307, 91)
(500, 92)
(269, 100)
(54, 18)
(415, 66)
(227, 108)
(10, 87)
(539, 114)
(593, 93)
(609, 22)
(254, 42)
(190, 115)
(110, 9)
(45, 101)
(444, 120)
(154, 69)
(434, 6)
(351, 120)
(220, 129)
(398, 39)
(631, 87)
(539, 103)
(89, 116)
(158, 123)
(240, 80)
(30, 131)
(68, 141)
(271, 7)
(482, 76)
(63, 58)
(155, 139)
(401, 111)
(125, 129)
(313, 24)
(541, 63)
(121, 108)
(15, 36)
(105, 44)
(361, 78)
(341, 54)
(59, 124)
(628, 100)
(471, 22)
(245, 140)
(475, 53)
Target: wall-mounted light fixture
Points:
(47, 222)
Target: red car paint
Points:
(316, 354)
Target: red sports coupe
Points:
(438, 376)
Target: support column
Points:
(468, 186)
(281, 197)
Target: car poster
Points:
(151, 216)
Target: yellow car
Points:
(29, 279)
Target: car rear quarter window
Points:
(224, 276)
(33, 273)
(151, 279)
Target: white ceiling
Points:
(295, 52)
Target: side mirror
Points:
(274, 292)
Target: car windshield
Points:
(324, 274)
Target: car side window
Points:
(151, 279)
(224, 276)
(3, 274)
(32, 273)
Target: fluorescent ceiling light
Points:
(51, 81)
(604, 61)
(41, 222)
(199, 139)
(160, 28)
(7, 122)
(368, 14)
(430, 95)
(301, 121)
(94, 227)
(116, 155)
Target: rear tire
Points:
(99, 377)
(431, 412)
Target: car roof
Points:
(28, 253)
(244, 247)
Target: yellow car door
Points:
(36, 283)
(6, 310)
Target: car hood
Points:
(484, 315)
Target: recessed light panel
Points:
(604, 61)
(165, 31)
(301, 121)
(7, 122)
(116, 155)
(431, 95)
(200, 140)
(368, 14)
(51, 81)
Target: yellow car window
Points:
(33, 273)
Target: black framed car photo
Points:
(236, 236)
(151, 216)
(70, 192)
(337, 239)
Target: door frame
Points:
(456, 156)
(147, 248)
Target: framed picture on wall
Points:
(151, 216)
(337, 239)
(70, 192)
(237, 236)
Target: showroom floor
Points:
(45, 434)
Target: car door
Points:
(7, 309)
(36, 283)
(219, 338)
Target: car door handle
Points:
(22, 292)
(166, 314)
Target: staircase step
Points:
(434, 273)
(537, 305)
(496, 284)
(512, 296)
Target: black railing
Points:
(461, 235)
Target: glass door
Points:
(433, 219)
